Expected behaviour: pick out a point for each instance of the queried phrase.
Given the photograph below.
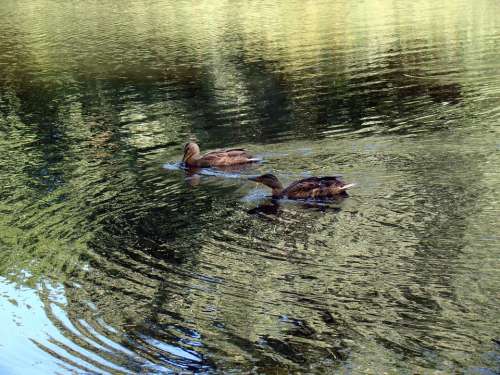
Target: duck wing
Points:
(227, 157)
(315, 187)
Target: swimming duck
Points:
(217, 158)
(312, 187)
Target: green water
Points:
(114, 261)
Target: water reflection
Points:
(193, 175)
(112, 262)
(274, 206)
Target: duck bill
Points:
(254, 178)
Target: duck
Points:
(307, 188)
(216, 158)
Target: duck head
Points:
(271, 181)
(191, 151)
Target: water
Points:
(114, 260)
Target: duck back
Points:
(316, 187)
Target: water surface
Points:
(115, 261)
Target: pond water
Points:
(115, 261)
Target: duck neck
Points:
(277, 191)
(191, 157)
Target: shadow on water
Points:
(275, 206)
(193, 175)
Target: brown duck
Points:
(312, 187)
(217, 158)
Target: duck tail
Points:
(254, 160)
(347, 186)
